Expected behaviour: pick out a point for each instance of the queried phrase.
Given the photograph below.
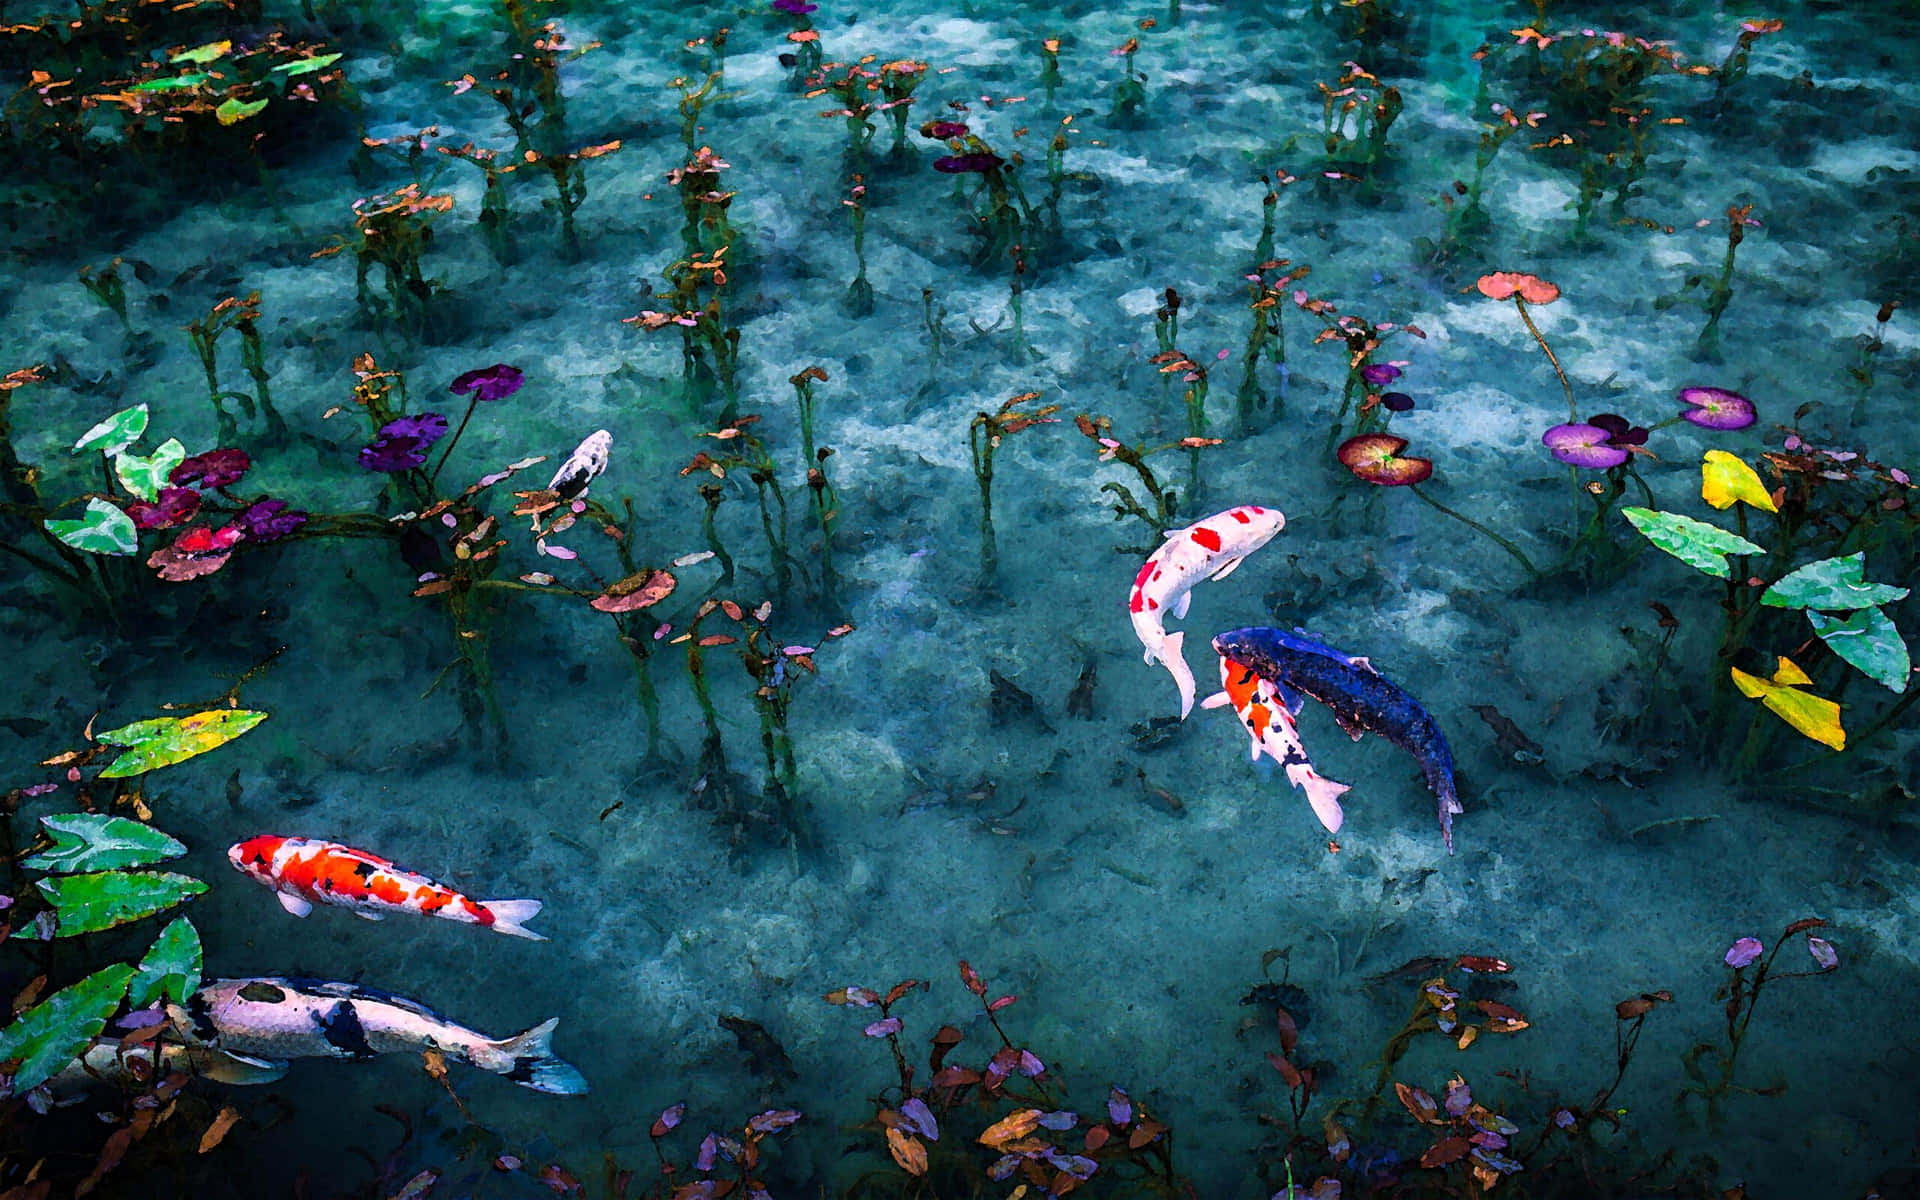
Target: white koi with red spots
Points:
(304, 872)
(1268, 717)
(1209, 549)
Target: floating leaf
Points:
(172, 83)
(1446, 1150)
(1010, 1128)
(1725, 479)
(104, 530)
(56, 1031)
(163, 741)
(96, 842)
(640, 590)
(233, 110)
(1868, 640)
(171, 969)
(116, 433)
(90, 903)
(224, 1120)
(1701, 546)
(1814, 716)
(1425, 1108)
(1831, 583)
(200, 56)
(308, 66)
(144, 477)
(908, 1151)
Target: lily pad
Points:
(1701, 546)
(163, 741)
(104, 899)
(172, 83)
(96, 842)
(171, 968)
(1814, 716)
(144, 477)
(1869, 641)
(308, 66)
(104, 530)
(1831, 583)
(232, 111)
(57, 1030)
(1725, 479)
(116, 433)
(200, 56)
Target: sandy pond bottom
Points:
(1126, 883)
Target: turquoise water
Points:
(1126, 881)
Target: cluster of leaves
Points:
(722, 1164)
(1007, 1104)
(97, 874)
(94, 82)
(1845, 610)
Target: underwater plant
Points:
(1164, 499)
(984, 435)
(243, 316)
(1717, 292)
(1734, 68)
(1050, 67)
(1356, 113)
(1468, 222)
(741, 451)
(1360, 392)
(823, 501)
(1741, 995)
(393, 230)
(1130, 94)
(704, 202)
(998, 210)
(1009, 1104)
(859, 299)
(496, 209)
(851, 86)
(1375, 458)
(709, 345)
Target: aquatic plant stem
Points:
(1573, 414)
(1533, 573)
(455, 439)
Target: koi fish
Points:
(1257, 702)
(271, 1019)
(1208, 549)
(1362, 700)
(108, 1060)
(304, 872)
(586, 462)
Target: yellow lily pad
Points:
(1814, 716)
(1725, 478)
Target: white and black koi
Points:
(272, 1019)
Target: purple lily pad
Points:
(496, 382)
(1744, 952)
(1583, 446)
(1717, 408)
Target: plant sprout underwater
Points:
(712, 474)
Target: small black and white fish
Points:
(586, 462)
(270, 1019)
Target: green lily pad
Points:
(1831, 583)
(308, 66)
(103, 530)
(116, 433)
(200, 56)
(97, 842)
(144, 477)
(232, 111)
(171, 968)
(1701, 546)
(104, 899)
(164, 741)
(172, 83)
(1868, 640)
(58, 1030)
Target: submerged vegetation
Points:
(690, 620)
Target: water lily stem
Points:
(1572, 413)
(455, 439)
(1533, 573)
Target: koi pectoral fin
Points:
(1179, 609)
(364, 915)
(1217, 700)
(294, 904)
(1227, 568)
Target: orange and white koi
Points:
(1269, 720)
(1209, 549)
(304, 872)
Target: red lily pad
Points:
(1376, 458)
(641, 590)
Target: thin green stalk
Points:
(1503, 543)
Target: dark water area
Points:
(1353, 262)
